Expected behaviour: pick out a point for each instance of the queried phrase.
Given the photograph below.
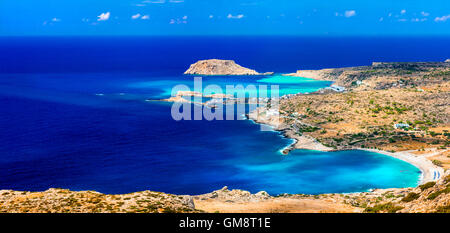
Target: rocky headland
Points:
(220, 67)
(382, 75)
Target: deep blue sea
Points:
(73, 115)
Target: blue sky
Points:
(224, 17)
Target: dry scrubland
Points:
(377, 98)
(366, 118)
(66, 201)
(428, 198)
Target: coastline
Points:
(224, 200)
(271, 122)
(300, 141)
(429, 171)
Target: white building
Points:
(401, 126)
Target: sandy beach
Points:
(430, 172)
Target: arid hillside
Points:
(373, 118)
(382, 75)
(428, 198)
(66, 201)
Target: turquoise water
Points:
(86, 130)
(284, 84)
(280, 79)
(97, 132)
(292, 85)
(342, 171)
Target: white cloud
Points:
(104, 16)
(51, 21)
(381, 19)
(347, 14)
(442, 19)
(136, 16)
(418, 20)
(211, 16)
(182, 20)
(176, 1)
(350, 13)
(155, 1)
(230, 16)
(403, 11)
(425, 13)
(139, 16)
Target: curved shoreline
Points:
(429, 171)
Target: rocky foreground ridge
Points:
(65, 201)
(220, 67)
(428, 198)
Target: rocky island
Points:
(220, 67)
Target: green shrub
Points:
(437, 193)
(443, 209)
(411, 197)
(437, 163)
(308, 129)
(382, 208)
(338, 139)
(447, 179)
(169, 210)
(427, 185)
